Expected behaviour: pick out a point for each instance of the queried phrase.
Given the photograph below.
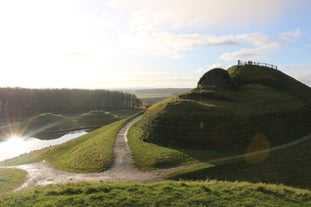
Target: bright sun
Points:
(15, 144)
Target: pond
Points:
(16, 146)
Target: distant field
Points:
(151, 96)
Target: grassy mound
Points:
(95, 119)
(215, 118)
(46, 124)
(89, 153)
(217, 77)
(10, 179)
(212, 193)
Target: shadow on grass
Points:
(290, 166)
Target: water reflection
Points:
(18, 145)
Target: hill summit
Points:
(231, 107)
(216, 77)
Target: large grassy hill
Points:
(268, 102)
(263, 108)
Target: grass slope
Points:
(149, 156)
(47, 124)
(227, 119)
(212, 193)
(290, 166)
(95, 119)
(89, 153)
(249, 74)
(10, 179)
(213, 123)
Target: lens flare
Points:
(258, 149)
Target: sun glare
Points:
(15, 145)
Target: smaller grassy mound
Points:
(148, 156)
(95, 119)
(217, 77)
(47, 124)
(89, 153)
(212, 193)
(11, 179)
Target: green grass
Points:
(148, 156)
(152, 96)
(57, 121)
(89, 153)
(213, 123)
(250, 74)
(211, 193)
(51, 126)
(95, 119)
(11, 179)
(289, 166)
(214, 118)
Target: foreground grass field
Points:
(10, 179)
(89, 153)
(211, 193)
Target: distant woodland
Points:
(16, 103)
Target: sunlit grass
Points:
(149, 156)
(210, 193)
(11, 179)
(92, 152)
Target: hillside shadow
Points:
(290, 166)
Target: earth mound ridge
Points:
(259, 100)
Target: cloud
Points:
(202, 70)
(178, 14)
(171, 45)
(308, 45)
(289, 36)
(255, 39)
(303, 76)
(301, 72)
(251, 53)
(260, 45)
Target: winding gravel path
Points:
(122, 169)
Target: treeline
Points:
(16, 103)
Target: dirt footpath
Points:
(122, 169)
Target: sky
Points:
(111, 44)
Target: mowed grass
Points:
(149, 156)
(211, 193)
(92, 152)
(290, 166)
(11, 179)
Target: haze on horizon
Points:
(144, 43)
